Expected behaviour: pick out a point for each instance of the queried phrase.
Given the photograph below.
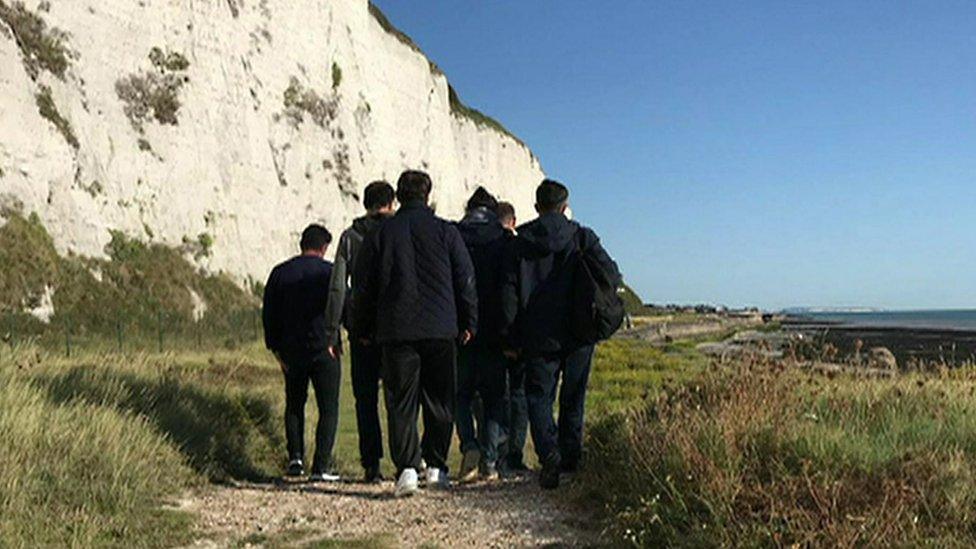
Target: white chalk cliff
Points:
(228, 124)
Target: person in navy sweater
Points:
(295, 300)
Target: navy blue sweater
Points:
(294, 306)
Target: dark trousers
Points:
(516, 414)
(419, 373)
(324, 372)
(366, 364)
(562, 443)
(481, 371)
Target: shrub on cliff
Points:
(41, 48)
(154, 94)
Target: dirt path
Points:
(512, 513)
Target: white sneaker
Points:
(323, 477)
(406, 485)
(437, 479)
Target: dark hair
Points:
(413, 185)
(504, 211)
(482, 199)
(315, 237)
(550, 195)
(377, 195)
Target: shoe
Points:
(487, 471)
(469, 466)
(423, 466)
(517, 466)
(549, 477)
(406, 485)
(437, 479)
(372, 475)
(569, 467)
(323, 477)
(296, 468)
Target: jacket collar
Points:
(414, 205)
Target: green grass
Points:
(460, 109)
(47, 109)
(759, 454)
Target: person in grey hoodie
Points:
(365, 358)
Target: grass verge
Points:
(759, 454)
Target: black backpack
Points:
(598, 310)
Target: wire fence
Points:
(156, 332)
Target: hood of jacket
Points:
(480, 226)
(549, 234)
(363, 225)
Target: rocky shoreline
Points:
(909, 345)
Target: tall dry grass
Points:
(759, 454)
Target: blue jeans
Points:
(517, 424)
(562, 442)
(481, 371)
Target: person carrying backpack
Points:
(558, 299)
(365, 359)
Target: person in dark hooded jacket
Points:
(481, 364)
(365, 359)
(537, 298)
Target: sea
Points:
(958, 319)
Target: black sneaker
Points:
(296, 468)
(549, 477)
(372, 475)
(517, 466)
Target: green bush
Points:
(47, 108)
(299, 101)
(459, 109)
(42, 48)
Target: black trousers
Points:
(419, 373)
(365, 369)
(324, 372)
(481, 371)
(562, 442)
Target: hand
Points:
(281, 364)
(335, 352)
(365, 341)
(465, 337)
(510, 354)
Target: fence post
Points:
(159, 330)
(118, 333)
(67, 340)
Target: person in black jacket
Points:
(481, 364)
(365, 359)
(416, 298)
(295, 299)
(537, 297)
(515, 407)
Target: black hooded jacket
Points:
(339, 311)
(486, 240)
(537, 289)
(295, 299)
(416, 282)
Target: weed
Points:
(168, 61)
(47, 109)
(299, 102)
(154, 94)
(41, 48)
(336, 75)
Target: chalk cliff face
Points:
(226, 126)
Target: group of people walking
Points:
(475, 323)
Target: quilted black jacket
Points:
(416, 280)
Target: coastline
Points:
(950, 346)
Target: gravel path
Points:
(510, 513)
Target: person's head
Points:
(412, 186)
(378, 197)
(551, 196)
(315, 240)
(482, 199)
(506, 215)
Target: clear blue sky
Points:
(747, 153)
